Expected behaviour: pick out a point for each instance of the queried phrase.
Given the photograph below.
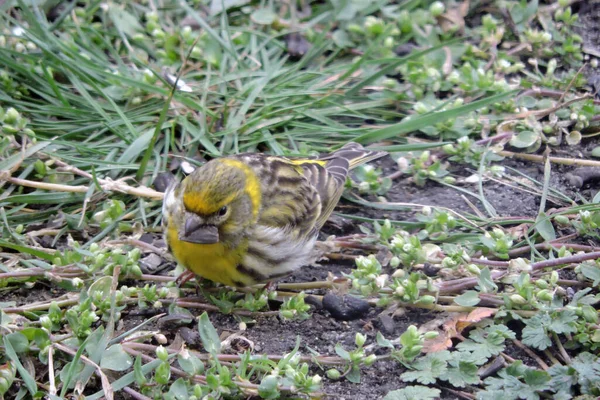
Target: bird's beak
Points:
(195, 232)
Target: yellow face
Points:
(208, 217)
(220, 199)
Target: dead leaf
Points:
(454, 19)
(454, 326)
(518, 231)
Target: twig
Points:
(555, 160)
(140, 244)
(551, 245)
(550, 110)
(106, 184)
(51, 378)
(561, 349)
(508, 358)
(457, 285)
(134, 394)
(531, 354)
(577, 258)
(551, 357)
(458, 393)
(491, 263)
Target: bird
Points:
(253, 218)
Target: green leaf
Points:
(524, 139)
(46, 198)
(544, 227)
(483, 343)
(465, 373)
(421, 121)
(596, 152)
(268, 387)
(116, 359)
(413, 393)
(217, 6)
(587, 366)
(354, 375)
(179, 389)
(18, 342)
(537, 379)
(137, 147)
(25, 375)
(341, 39)
(383, 342)
(469, 298)
(124, 21)
(28, 250)
(263, 16)
(591, 271)
(208, 334)
(534, 334)
(191, 364)
(485, 281)
(340, 351)
(563, 322)
(101, 285)
(427, 369)
(562, 379)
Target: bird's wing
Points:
(302, 193)
(288, 199)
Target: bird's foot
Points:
(184, 278)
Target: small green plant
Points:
(355, 359)
(497, 242)
(423, 167)
(365, 277)
(437, 223)
(295, 308)
(371, 181)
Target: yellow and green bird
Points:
(251, 218)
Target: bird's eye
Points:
(222, 211)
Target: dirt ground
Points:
(321, 332)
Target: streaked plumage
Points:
(250, 218)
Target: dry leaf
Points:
(454, 326)
(454, 18)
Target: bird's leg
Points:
(270, 286)
(184, 277)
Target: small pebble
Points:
(385, 324)
(346, 307)
(162, 181)
(430, 270)
(297, 45)
(151, 264)
(190, 336)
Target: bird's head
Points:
(220, 198)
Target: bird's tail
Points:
(355, 154)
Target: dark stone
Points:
(297, 45)
(314, 301)
(404, 49)
(430, 270)
(147, 238)
(151, 264)
(385, 324)
(189, 336)
(163, 180)
(346, 307)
